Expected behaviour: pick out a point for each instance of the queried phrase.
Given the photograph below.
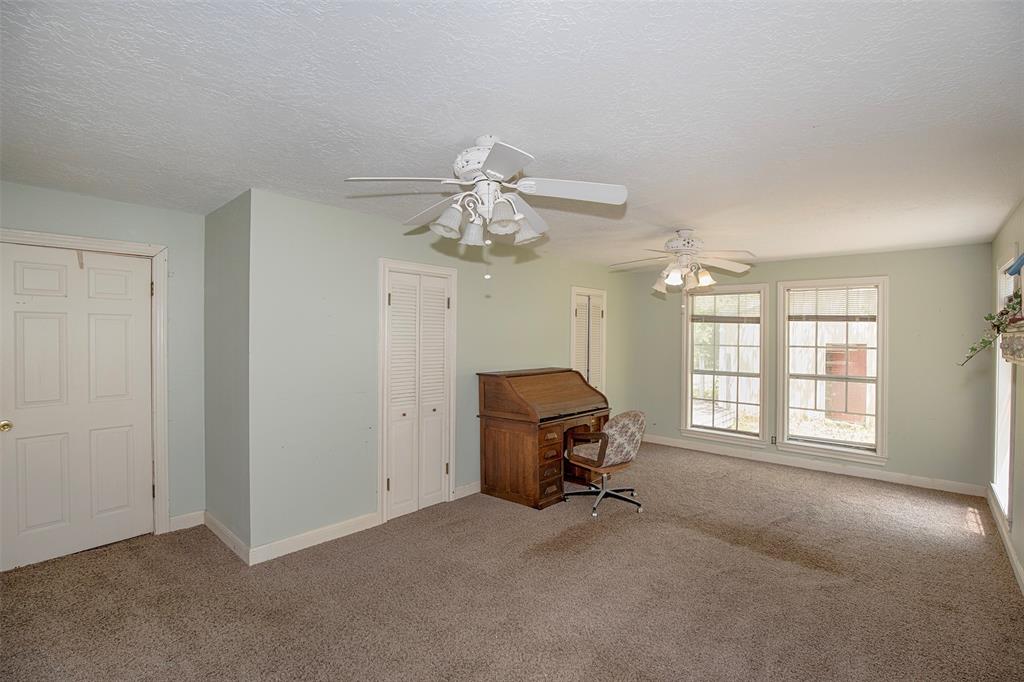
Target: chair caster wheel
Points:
(639, 510)
(633, 494)
(594, 514)
(565, 498)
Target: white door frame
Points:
(386, 265)
(573, 291)
(1013, 404)
(158, 320)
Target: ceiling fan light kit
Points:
(473, 235)
(494, 202)
(448, 223)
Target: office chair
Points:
(606, 453)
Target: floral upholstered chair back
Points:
(625, 431)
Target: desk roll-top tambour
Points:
(525, 417)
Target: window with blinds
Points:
(724, 369)
(832, 355)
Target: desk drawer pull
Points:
(551, 436)
(553, 469)
(553, 453)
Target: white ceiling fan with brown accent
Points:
(492, 170)
(688, 262)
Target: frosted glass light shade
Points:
(473, 235)
(504, 219)
(526, 233)
(690, 281)
(447, 224)
(659, 286)
(704, 278)
(675, 276)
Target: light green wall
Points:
(1007, 245)
(940, 414)
(313, 347)
(23, 207)
(227, 365)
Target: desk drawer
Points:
(551, 469)
(550, 435)
(552, 487)
(550, 453)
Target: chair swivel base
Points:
(604, 491)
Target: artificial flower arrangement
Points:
(1009, 314)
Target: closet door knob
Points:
(6, 425)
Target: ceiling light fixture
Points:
(448, 223)
(704, 278)
(473, 235)
(675, 276)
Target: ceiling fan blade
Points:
(504, 161)
(723, 264)
(633, 262)
(740, 253)
(429, 214)
(532, 217)
(657, 250)
(374, 179)
(576, 190)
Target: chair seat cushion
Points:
(587, 451)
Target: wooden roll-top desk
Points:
(525, 418)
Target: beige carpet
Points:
(735, 570)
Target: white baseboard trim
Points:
(227, 537)
(821, 465)
(272, 550)
(1004, 533)
(182, 521)
(466, 490)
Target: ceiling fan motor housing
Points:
(684, 242)
(469, 161)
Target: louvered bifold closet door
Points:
(595, 345)
(402, 392)
(433, 389)
(581, 335)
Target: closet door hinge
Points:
(449, 303)
(575, 312)
(154, 491)
(602, 314)
(388, 486)
(446, 468)
(389, 298)
(152, 288)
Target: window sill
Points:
(833, 452)
(719, 437)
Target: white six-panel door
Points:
(77, 463)
(417, 373)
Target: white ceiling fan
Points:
(688, 262)
(491, 169)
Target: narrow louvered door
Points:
(433, 390)
(595, 346)
(588, 335)
(417, 379)
(402, 370)
(581, 334)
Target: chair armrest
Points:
(590, 437)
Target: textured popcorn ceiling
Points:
(786, 128)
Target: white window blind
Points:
(831, 365)
(724, 367)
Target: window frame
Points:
(687, 428)
(835, 451)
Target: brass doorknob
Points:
(6, 425)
